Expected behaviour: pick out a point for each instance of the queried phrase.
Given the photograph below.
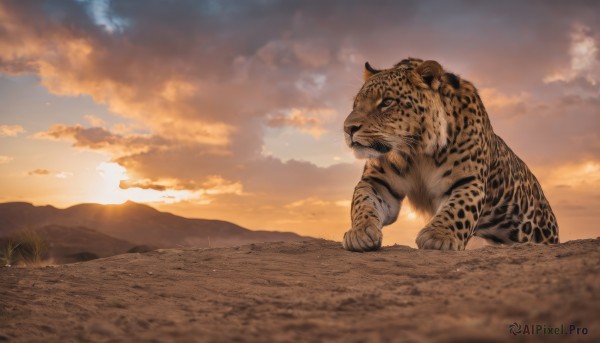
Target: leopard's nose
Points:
(351, 129)
(352, 123)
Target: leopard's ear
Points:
(369, 71)
(428, 74)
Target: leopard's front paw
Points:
(362, 239)
(438, 239)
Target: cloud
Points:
(39, 172)
(584, 175)
(120, 186)
(94, 121)
(117, 188)
(46, 172)
(63, 175)
(10, 130)
(312, 201)
(504, 105)
(145, 184)
(584, 58)
(312, 53)
(211, 185)
(494, 99)
(573, 189)
(97, 138)
(216, 184)
(5, 159)
(309, 121)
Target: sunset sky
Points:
(233, 109)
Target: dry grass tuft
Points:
(8, 253)
(28, 248)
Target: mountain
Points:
(72, 244)
(131, 222)
(19, 215)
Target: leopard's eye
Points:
(387, 102)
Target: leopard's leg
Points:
(374, 204)
(454, 223)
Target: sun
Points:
(109, 191)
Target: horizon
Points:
(129, 202)
(234, 111)
(112, 205)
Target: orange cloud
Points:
(309, 121)
(63, 175)
(94, 121)
(5, 159)
(211, 185)
(10, 130)
(584, 176)
(97, 138)
(574, 193)
(312, 201)
(45, 172)
(494, 99)
(216, 184)
(39, 172)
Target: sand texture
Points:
(307, 291)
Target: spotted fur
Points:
(426, 136)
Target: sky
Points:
(233, 110)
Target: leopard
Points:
(426, 136)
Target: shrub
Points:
(8, 252)
(32, 247)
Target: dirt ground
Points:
(309, 291)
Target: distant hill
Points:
(90, 226)
(72, 244)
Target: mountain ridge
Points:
(132, 222)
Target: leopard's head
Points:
(398, 110)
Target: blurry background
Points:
(233, 109)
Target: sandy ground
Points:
(308, 291)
